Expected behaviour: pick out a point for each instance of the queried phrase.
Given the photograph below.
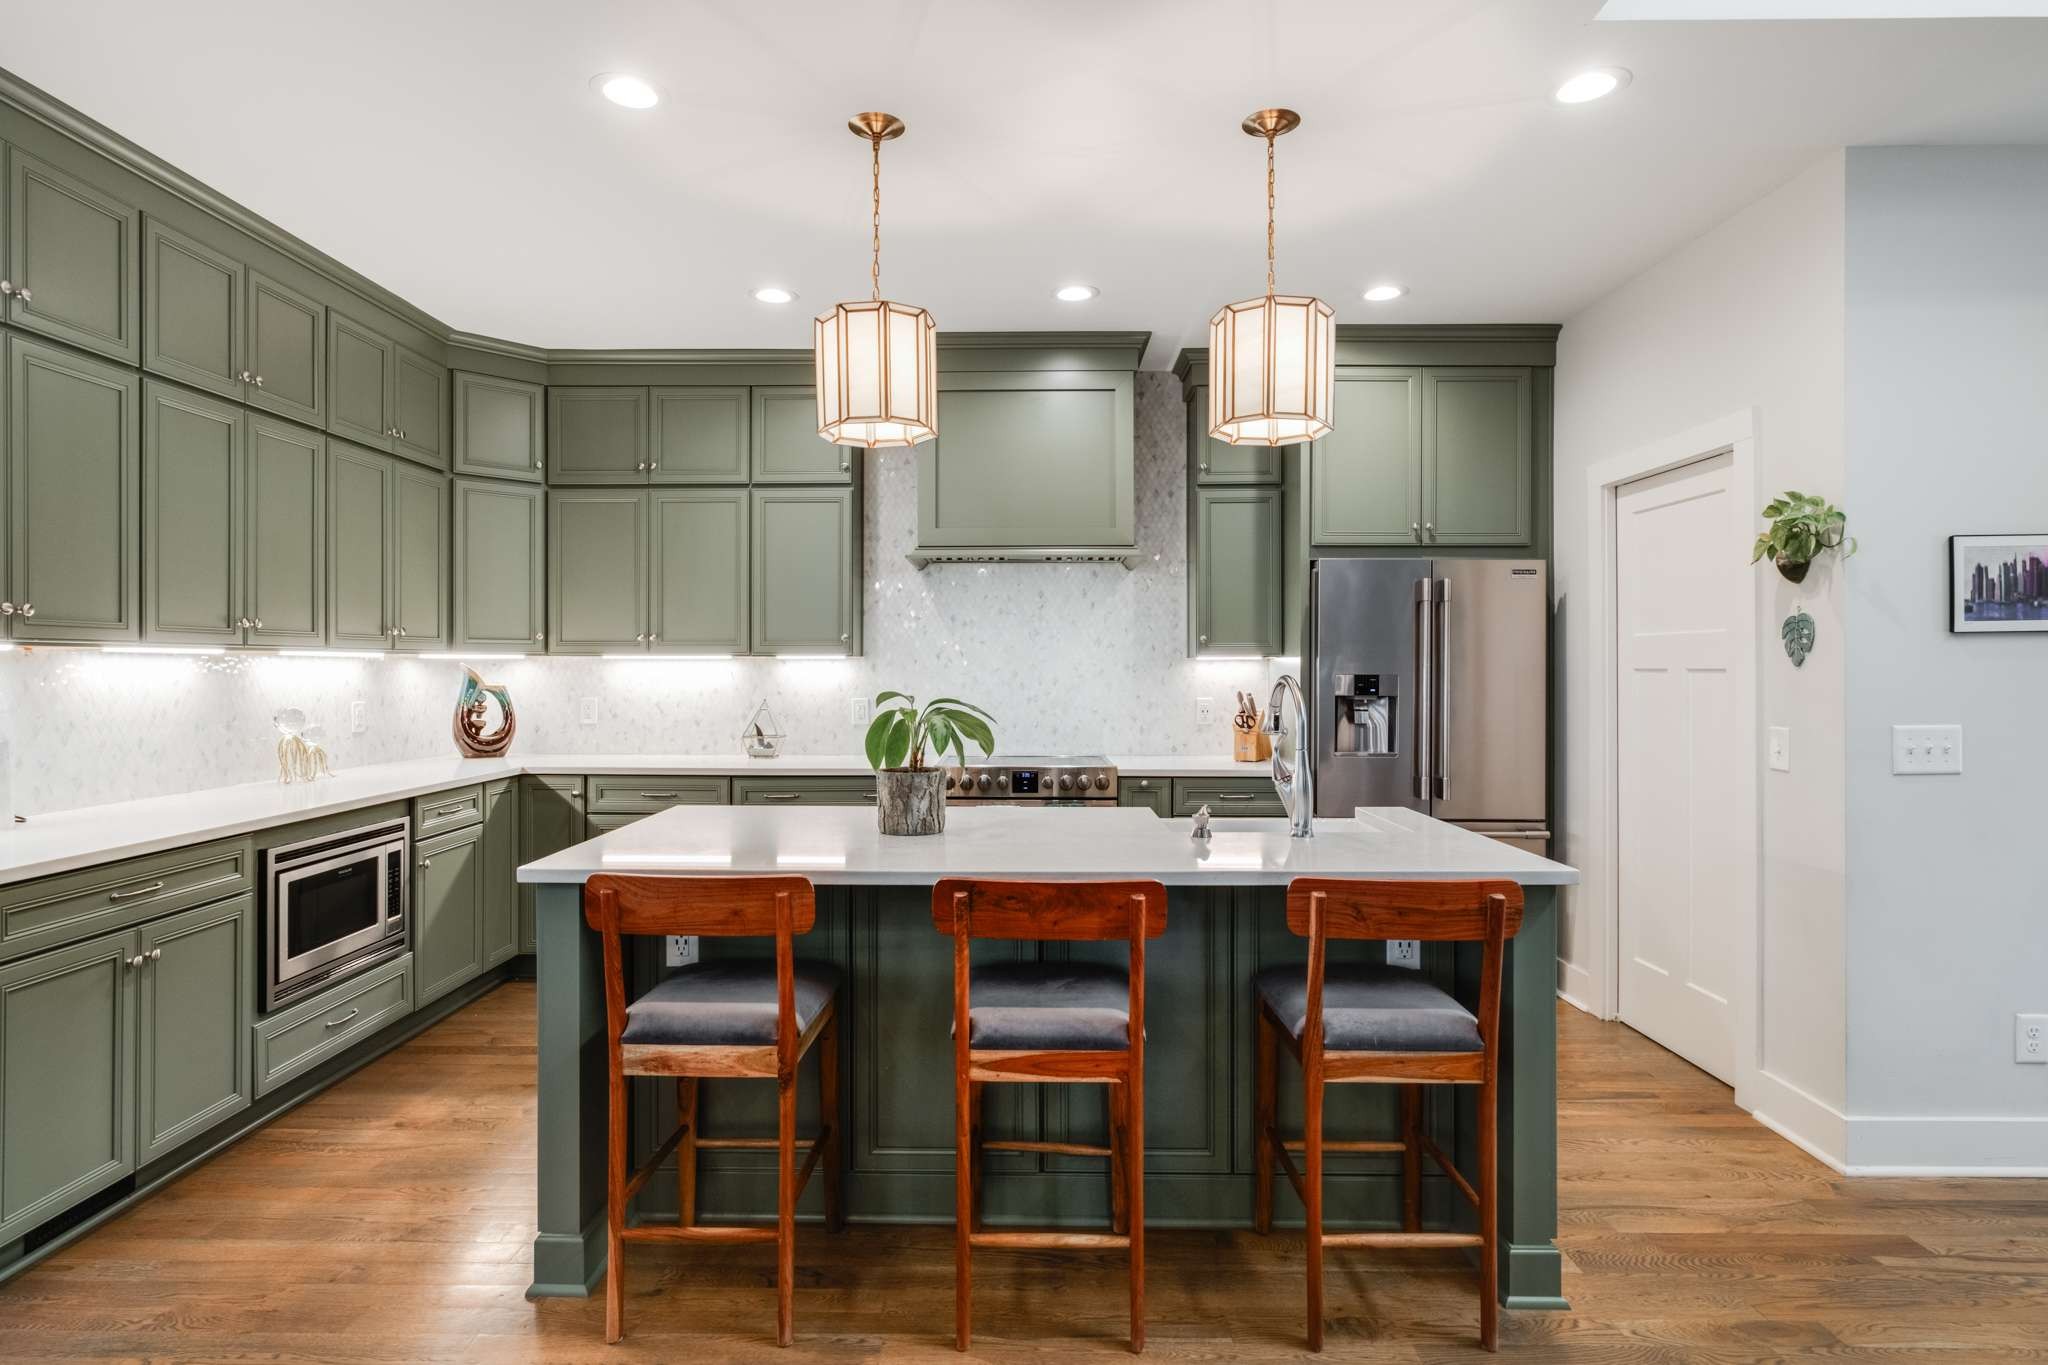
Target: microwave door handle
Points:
(1443, 689)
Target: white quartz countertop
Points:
(66, 840)
(839, 845)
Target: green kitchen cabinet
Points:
(500, 566)
(195, 1002)
(615, 793)
(360, 363)
(1152, 793)
(698, 586)
(285, 588)
(803, 791)
(551, 818)
(1219, 463)
(73, 261)
(448, 912)
(73, 497)
(1226, 796)
(598, 435)
(286, 351)
(359, 543)
(419, 413)
(194, 313)
(500, 854)
(1479, 464)
(1365, 477)
(500, 427)
(419, 559)
(786, 444)
(700, 435)
(1234, 571)
(807, 570)
(597, 570)
(67, 1078)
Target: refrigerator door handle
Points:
(1425, 720)
(1442, 704)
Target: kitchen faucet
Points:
(1295, 780)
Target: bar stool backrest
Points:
(1048, 911)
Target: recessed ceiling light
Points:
(1592, 85)
(1384, 293)
(629, 92)
(769, 293)
(1075, 293)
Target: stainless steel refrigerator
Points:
(1427, 686)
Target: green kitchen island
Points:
(1225, 920)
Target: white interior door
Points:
(1678, 580)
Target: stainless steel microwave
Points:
(332, 907)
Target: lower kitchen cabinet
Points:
(1234, 571)
(803, 791)
(500, 564)
(195, 1002)
(1153, 793)
(637, 792)
(807, 570)
(501, 871)
(551, 818)
(294, 1041)
(447, 912)
(1226, 796)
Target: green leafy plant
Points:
(1802, 527)
(901, 731)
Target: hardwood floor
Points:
(390, 1220)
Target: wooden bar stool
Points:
(716, 1020)
(1050, 1022)
(1378, 1025)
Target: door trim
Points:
(1599, 983)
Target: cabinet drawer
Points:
(43, 914)
(629, 793)
(296, 1041)
(803, 791)
(1153, 793)
(1227, 796)
(444, 811)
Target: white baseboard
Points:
(1940, 1145)
(1575, 986)
(1806, 1121)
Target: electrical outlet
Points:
(857, 710)
(1922, 749)
(357, 720)
(681, 950)
(1781, 749)
(2030, 1039)
(586, 711)
(1404, 952)
(1205, 710)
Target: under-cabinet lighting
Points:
(162, 649)
(463, 658)
(664, 658)
(330, 654)
(810, 658)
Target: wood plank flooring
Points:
(391, 1218)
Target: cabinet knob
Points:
(426, 862)
(259, 381)
(654, 464)
(246, 377)
(156, 955)
(845, 466)
(6, 608)
(6, 289)
(243, 622)
(1204, 466)
(536, 637)
(642, 466)
(1429, 529)
(134, 962)
(259, 623)
(28, 609)
(403, 631)
(23, 294)
(845, 636)
(1415, 529)
(536, 464)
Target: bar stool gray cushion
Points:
(725, 1004)
(1049, 1006)
(1370, 1007)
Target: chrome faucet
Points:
(1295, 779)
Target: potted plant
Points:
(910, 796)
(1802, 528)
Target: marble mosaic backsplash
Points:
(1070, 658)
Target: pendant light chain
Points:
(1269, 213)
(875, 267)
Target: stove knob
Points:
(950, 781)
(1066, 783)
(1102, 782)
(982, 782)
(1002, 781)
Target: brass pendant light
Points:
(1272, 360)
(876, 361)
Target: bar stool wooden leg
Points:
(1312, 1197)
(615, 1215)
(1119, 1160)
(785, 1209)
(1265, 1104)
(1134, 1168)
(686, 1150)
(964, 1182)
(977, 1118)
(829, 1116)
(1411, 1160)
(1489, 1215)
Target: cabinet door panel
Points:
(597, 584)
(359, 375)
(192, 318)
(287, 557)
(1219, 462)
(785, 440)
(500, 853)
(1036, 458)
(73, 502)
(419, 408)
(550, 819)
(1479, 463)
(700, 435)
(500, 566)
(195, 1003)
(1365, 479)
(287, 351)
(77, 253)
(1153, 793)
(598, 435)
(806, 555)
(192, 529)
(358, 547)
(500, 427)
(1235, 573)
(67, 1078)
(419, 589)
(447, 899)
(699, 544)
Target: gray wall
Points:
(1947, 386)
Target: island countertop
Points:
(840, 846)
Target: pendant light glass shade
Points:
(876, 362)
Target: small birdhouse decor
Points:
(484, 723)
(762, 737)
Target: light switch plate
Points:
(1921, 749)
(681, 950)
(586, 711)
(2030, 1039)
(1781, 749)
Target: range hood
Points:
(1036, 454)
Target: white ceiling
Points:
(453, 150)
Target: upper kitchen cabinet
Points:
(700, 435)
(500, 566)
(1234, 571)
(287, 351)
(73, 267)
(419, 560)
(500, 427)
(662, 571)
(598, 435)
(806, 571)
(420, 408)
(698, 583)
(211, 322)
(384, 396)
(1366, 475)
(74, 464)
(786, 444)
(1479, 466)
(285, 494)
(387, 553)
(597, 571)
(1217, 463)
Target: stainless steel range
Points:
(1033, 780)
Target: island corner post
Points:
(899, 1153)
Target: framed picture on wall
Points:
(1998, 583)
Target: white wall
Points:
(1746, 317)
(1948, 434)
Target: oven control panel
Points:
(1033, 781)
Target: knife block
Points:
(1250, 746)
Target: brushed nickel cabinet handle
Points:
(156, 955)
(536, 464)
(780, 796)
(135, 891)
(1201, 639)
(133, 962)
(1429, 529)
(6, 608)
(246, 377)
(28, 609)
(259, 623)
(259, 381)
(845, 636)
(1233, 796)
(426, 862)
(537, 637)
(1204, 466)
(337, 1023)
(6, 289)
(23, 293)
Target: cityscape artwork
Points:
(1998, 583)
